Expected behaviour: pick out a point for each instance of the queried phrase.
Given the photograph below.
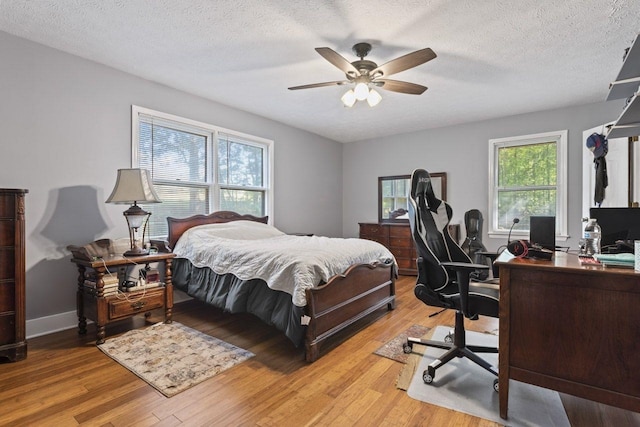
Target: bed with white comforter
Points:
(288, 263)
(249, 266)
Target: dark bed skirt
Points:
(233, 295)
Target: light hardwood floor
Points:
(67, 381)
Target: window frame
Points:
(212, 132)
(560, 137)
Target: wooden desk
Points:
(570, 328)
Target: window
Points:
(527, 177)
(199, 168)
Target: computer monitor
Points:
(617, 224)
(542, 231)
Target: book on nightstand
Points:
(110, 284)
(144, 287)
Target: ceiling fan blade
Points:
(338, 60)
(402, 87)
(405, 62)
(339, 82)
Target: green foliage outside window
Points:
(527, 179)
(179, 155)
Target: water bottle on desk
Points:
(592, 234)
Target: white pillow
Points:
(240, 230)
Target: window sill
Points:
(522, 236)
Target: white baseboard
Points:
(63, 321)
(50, 324)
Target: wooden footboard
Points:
(346, 298)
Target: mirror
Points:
(393, 195)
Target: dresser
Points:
(396, 236)
(13, 344)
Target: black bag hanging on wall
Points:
(599, 146)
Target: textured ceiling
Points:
(495, 57)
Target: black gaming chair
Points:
(472, 244)
(443, 276)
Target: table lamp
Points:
(133, 186)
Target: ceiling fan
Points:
(364, 73)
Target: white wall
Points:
(66, 128)
(462, 152)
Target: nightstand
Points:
(103, 308)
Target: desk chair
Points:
(472, 244)
(443, 277)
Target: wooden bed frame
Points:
(343, 300)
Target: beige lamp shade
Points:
(133, 185)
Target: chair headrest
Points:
(421, 186)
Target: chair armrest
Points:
(464, 266)
(463, 271)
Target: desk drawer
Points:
(136, 304)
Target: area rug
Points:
(173, 357)
(394, 349)
(463, 386)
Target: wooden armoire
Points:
(13, 343)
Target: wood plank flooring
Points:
(67, 381)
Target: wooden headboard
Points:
(177, 226)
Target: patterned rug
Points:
(172, 357)
(393, 349)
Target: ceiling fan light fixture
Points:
(349, 98)
(374, 98)
(366, 75)
(361, 91)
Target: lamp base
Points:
(136, 252)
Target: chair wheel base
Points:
(429, 375)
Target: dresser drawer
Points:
(397, 242)
(7, 328)
(406, 263)
(397, 238)
(136, 304)
(8, 206)
(7, 232)
(7, 263)
(402, 252)
(374, 230)
(384, 241)
(403, 232)
(7, 296)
